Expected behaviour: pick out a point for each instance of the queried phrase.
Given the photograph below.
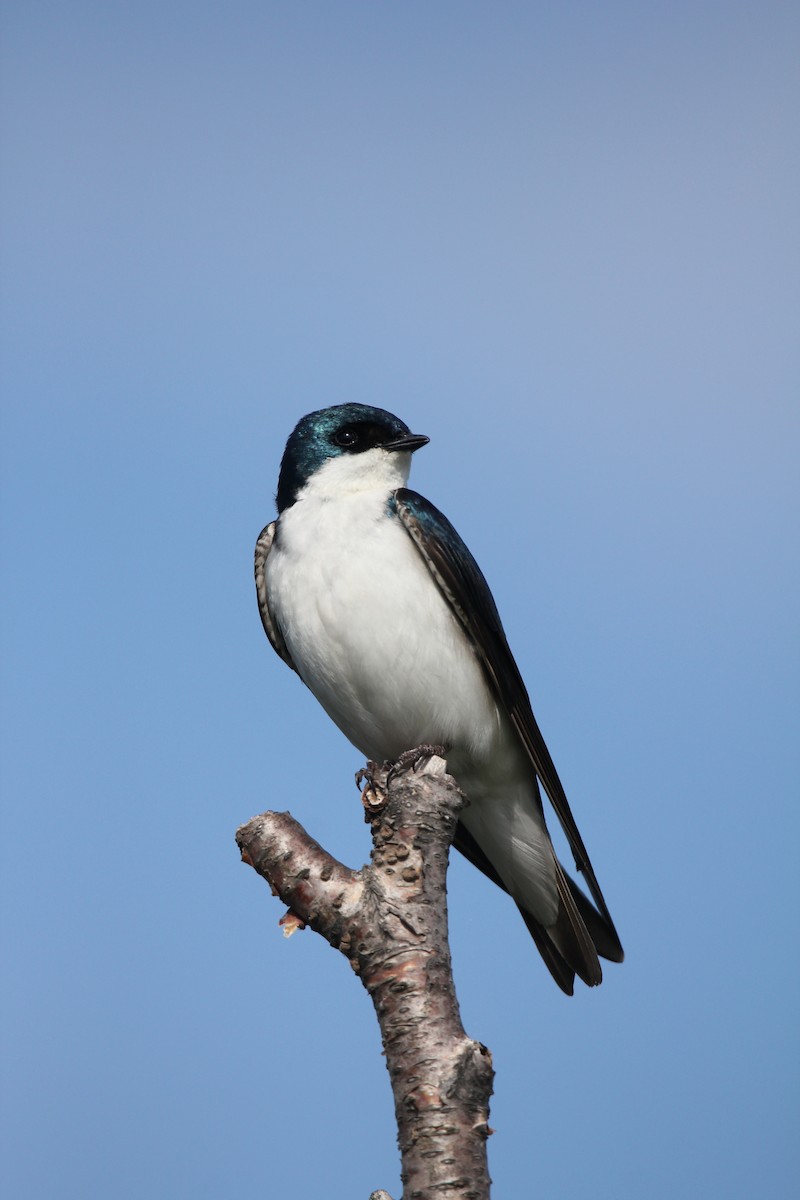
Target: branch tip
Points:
(290, 923)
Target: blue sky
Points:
(562, 241)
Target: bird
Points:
(367, 591)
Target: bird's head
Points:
(345, 448)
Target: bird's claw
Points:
(363, 775)
(373, 796)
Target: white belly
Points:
(370, 633)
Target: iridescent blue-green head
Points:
(344, 430)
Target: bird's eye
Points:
(346, 438)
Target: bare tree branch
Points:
(390, 920)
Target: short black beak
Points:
(408, 441)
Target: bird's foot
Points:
(373, 795)
(413, 759)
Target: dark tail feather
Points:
(555, 962)
(568, 947)
(571, 946)
(580, 934)
(571, 936)
(602, 934)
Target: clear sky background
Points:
(562, 240)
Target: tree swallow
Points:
(369, 594)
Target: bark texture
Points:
(390, 920)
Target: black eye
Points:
(346, 438)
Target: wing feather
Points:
(263, 547)
(462, 583)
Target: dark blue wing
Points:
(461, 581)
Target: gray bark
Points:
(390, 920)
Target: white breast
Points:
(369, 631)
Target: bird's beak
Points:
(408, 441)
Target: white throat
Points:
(374, 470)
